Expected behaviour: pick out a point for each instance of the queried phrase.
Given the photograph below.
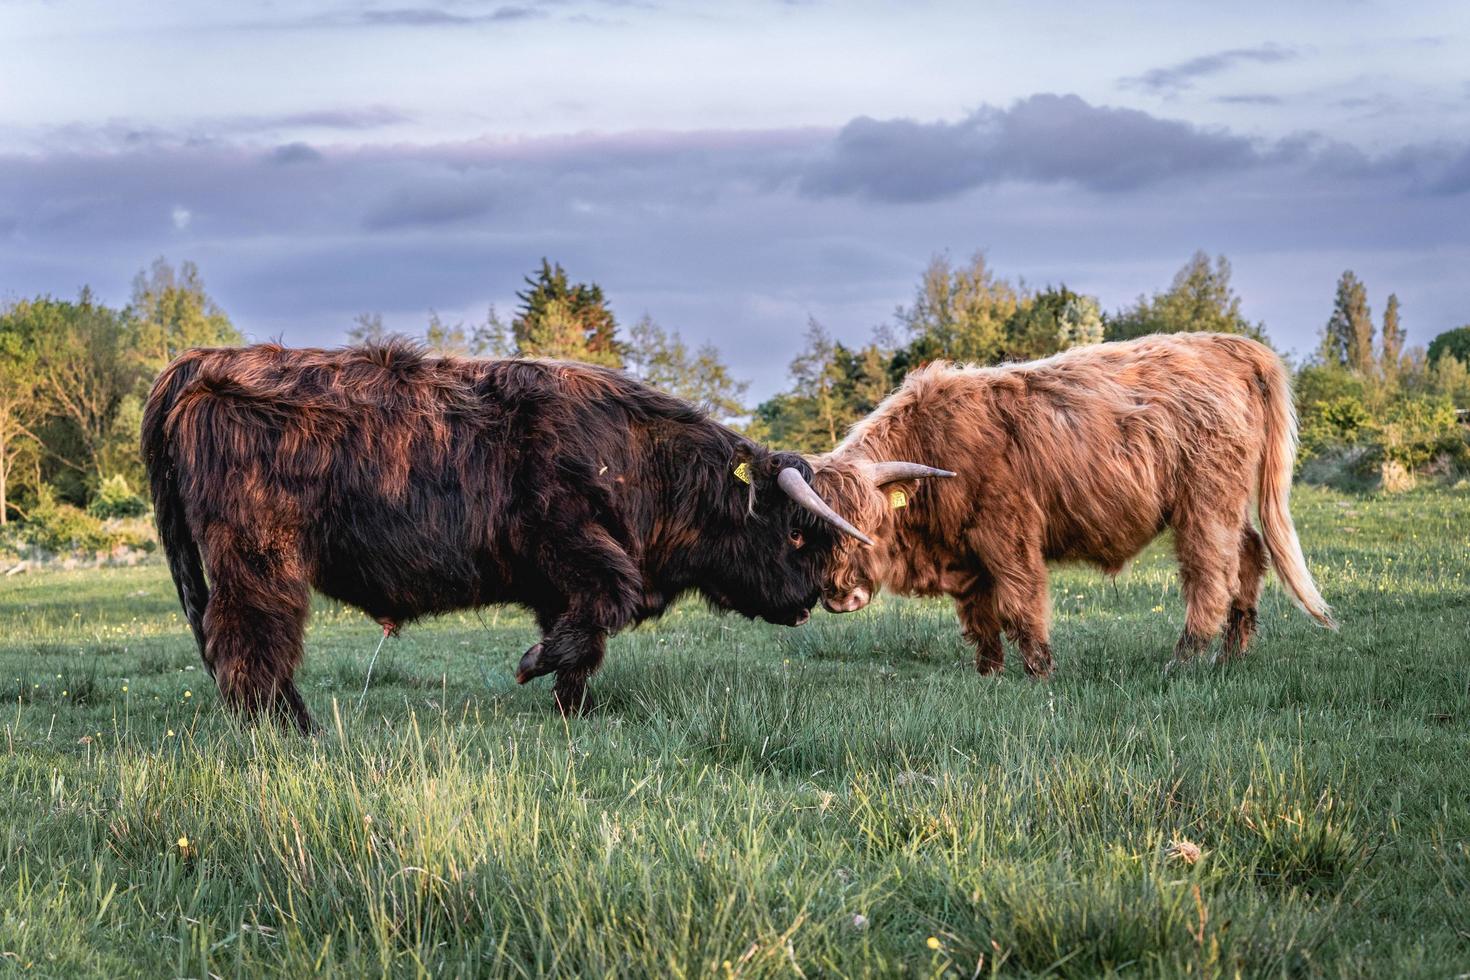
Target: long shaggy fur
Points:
(1084, 456)
(407, 485)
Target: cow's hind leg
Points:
(253, 629)
(1209, 559)
(602, 589)
(1240, 625)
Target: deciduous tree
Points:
(1201, 298)
(1347, 338)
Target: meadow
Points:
(848, 798)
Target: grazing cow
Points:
(1084, 456)
(408, 485)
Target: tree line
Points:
(74, 373)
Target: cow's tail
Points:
(182, 551)
(1278, 460)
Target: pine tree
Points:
(578, 307)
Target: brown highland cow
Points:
(1084, 456)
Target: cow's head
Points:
(770, 562)
(871, 494)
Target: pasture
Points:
(848, 798)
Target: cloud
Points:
(1454, 177)
(130, 135)
(1043, 139)
(290, 153)
(1247, 99)
(448, 15)
(181, 216)
(735, 236)
(437, 16)
(428, 205)
(1176, 78)
(359, 118)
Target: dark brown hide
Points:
(407, 485)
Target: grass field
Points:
(847, 798)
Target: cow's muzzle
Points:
(851, 602)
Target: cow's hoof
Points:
(571, 697)
(530, 665)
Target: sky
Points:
(734, 169)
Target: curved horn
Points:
(893, 471)
(796, 487)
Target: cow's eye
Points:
(797, 538)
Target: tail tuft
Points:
(1277, 464)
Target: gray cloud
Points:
(1044, 138)
(449, 14)
(128, 135)
(290, 153)
(730, 235)
(428, 205)
(1173, 79)
(1454, 178)
(438, 16)
(360, 118)
(1247, 99)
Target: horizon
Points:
(335, 159)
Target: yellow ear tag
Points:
(897, 499)
(742, 472)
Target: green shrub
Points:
(1335, 424)
(1413, 431)
(62, 528)
(1317, 383)
(116, 499)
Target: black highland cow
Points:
(408, 485)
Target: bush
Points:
(1333, 425)
(61, 528)
(1414, 431)
(1355, 435)
(116, 499)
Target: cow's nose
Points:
(853, 601)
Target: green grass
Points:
(847, 798)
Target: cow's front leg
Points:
(603, 591)
(981, 623)
(573, 650)
(1018, 569)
